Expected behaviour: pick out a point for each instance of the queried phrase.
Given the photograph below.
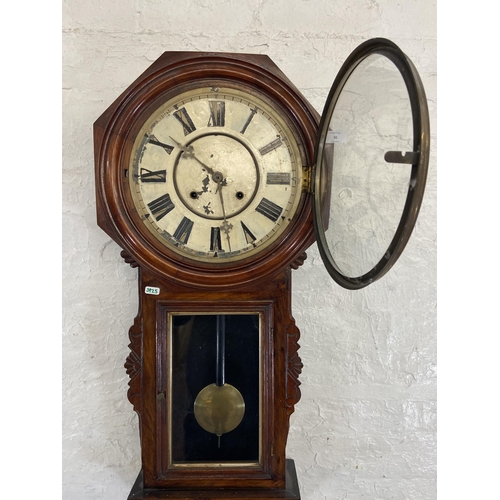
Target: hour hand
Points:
(185, 149)
(189, 153)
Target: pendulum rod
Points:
(220, 376)
(220, 363)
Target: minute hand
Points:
(189, 153)
(226, 226)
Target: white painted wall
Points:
(366, 424)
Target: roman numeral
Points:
(249, 119)
(215, 244)
(183, 231)
(150, 176)
(280, 178)
(217, 114)
(249, 237)
(153, 140)
(161, 206)
(269, 209)
(185, 121)
(271, 146)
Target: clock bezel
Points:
(172, 74)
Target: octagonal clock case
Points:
(214, 175)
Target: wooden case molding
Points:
(133, 364)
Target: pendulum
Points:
(219, 407)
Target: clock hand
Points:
(216, 177)
(189, 153)
(180, 146)
(225, 226)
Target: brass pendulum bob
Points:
(219, 407)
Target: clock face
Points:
(215, 174)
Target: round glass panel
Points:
(371, 168)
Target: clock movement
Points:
(214, 174)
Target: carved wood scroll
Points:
(133, 364)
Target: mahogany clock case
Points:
(257, 286)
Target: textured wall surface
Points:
(366, 424)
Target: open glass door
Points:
(371, 163)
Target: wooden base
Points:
(291, 492)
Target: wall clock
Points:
(214, 174)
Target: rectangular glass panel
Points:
(226, 376)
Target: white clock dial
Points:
(216, 174)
